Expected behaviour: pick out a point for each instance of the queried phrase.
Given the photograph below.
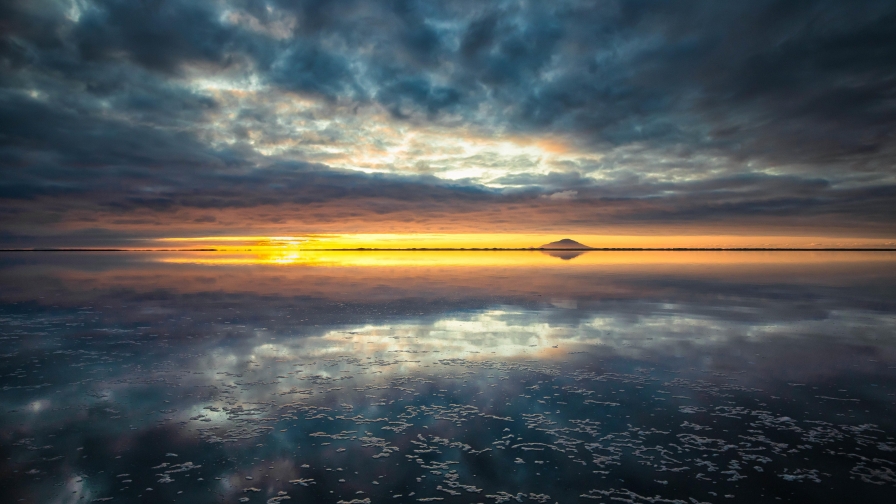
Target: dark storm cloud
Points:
(309, 69)
(156, 35)
(700, 111)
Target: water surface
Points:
(455, 377)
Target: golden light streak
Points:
(509, 241)
(519, 259)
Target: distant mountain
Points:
(565, 243)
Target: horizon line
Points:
(475, 249)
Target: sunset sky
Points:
(447, 123)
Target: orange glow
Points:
(518, 259)
(531, 275)
(279, 244)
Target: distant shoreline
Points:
(532, 249)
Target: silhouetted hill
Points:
(565, 243)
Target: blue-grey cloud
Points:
(775, 112)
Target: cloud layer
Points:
(122, 118)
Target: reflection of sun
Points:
(296, 256)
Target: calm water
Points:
(467, 377)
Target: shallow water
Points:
(456, 377)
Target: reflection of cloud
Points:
(241, 374)
(639, 330)
(569, 304)
(637, 305)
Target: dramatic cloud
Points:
(123, 119)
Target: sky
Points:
(648, 123)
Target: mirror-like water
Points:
(469, 377)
